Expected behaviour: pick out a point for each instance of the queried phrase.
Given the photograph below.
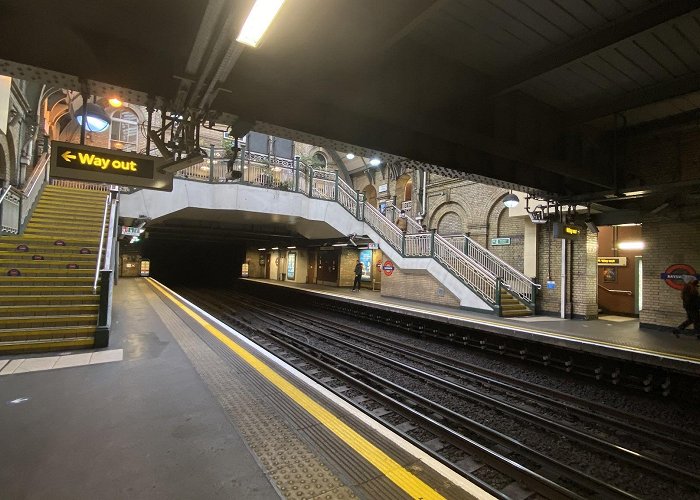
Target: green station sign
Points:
(500, 241)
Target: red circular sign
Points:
(388, 267)
(676, 275)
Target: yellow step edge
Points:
(44, 308)
(65, 320)
(56, 290)
(58, 300)
(49, 345)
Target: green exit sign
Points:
(500, 241)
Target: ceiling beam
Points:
(414, 23)
(611, 33)
(648, 95)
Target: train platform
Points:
(182, 406)
(611, 336)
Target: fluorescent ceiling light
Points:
(375, 162)
(340, 244)
(631, 245)
(636, 193)
(262, 249)
(291, 248)
(259, 19)
(275, 248)
(349, 156)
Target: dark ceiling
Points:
(548, 95)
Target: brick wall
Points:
(418, 285)
(346, 271)
(255, 270)
(581, 293)
(513, 228)
(667, 243)
(450, 223)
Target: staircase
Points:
(511, 306)
(47, 300)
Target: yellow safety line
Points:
(404, 479)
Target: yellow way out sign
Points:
(90, 163)
(100, 162)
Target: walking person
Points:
(691, 304)
(358, 276)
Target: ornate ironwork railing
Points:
(468, 261)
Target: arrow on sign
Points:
(68, 157)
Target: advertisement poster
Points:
(366, 260)
(291, 265)
(244, 270)
(145, 267)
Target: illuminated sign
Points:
(612, 261)
(89, 163)
(565, 231)
(145, 267)
(131, 231)
(74, 156)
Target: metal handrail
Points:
(386, 229)
(42, 165)
(102, 239)
(514, 280)
(7, 190)
(626, 292)
(465, 269)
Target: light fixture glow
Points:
(349, 156)
(259, 19)
(115, 103)
(511, 200)
(97, 119)
(631, 245)
(275, 248)
(375, 162)
(262, 249)
(340, 244)
(291, 248)
(636, 193)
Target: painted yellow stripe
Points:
(404, 479)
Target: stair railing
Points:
(107, 278)
(386, 229)
(101, 245)
(479, 279)
(515, 281)
(16, 205)
(10, 210)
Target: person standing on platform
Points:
(401, 222)
(691, 304)
(358, 276)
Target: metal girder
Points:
(341, 165)
(620, 29)
(655, 93)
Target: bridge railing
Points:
(463, 257)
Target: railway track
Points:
(514, 447)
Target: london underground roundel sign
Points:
(677, 274)
(388, 267)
